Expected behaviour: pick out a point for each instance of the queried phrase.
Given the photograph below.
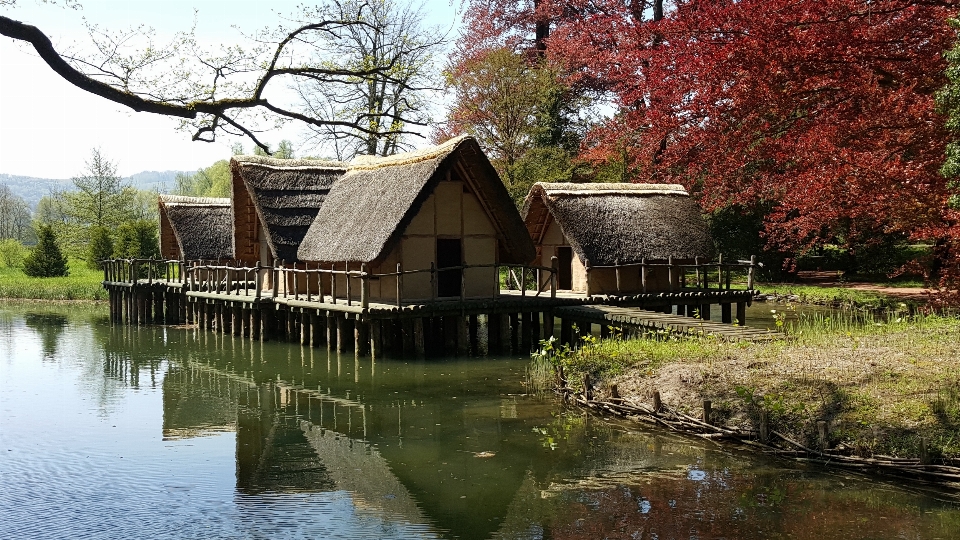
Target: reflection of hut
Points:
(591, 228)
(274, 203)
(193, 228)
(443, 206)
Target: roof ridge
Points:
(368, 163)
(183, 200)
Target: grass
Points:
(880, 384)
(830, 296)
(83, 283)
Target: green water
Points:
(159, 432)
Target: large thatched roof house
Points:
(443, 206)
(603, 225)
(274, 203)
(193, 228)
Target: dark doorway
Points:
(449, 254)
(564, 272)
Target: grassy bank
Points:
(881, 386)
(82, 284)
(830, 296)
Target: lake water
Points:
(115, 432)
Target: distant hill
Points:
(32, 189)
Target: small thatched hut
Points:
(274, 203)
(193, 228)
(443, 206)
(591, 228)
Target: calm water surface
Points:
(173, 433)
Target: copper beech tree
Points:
(823, 111)
(238, 89)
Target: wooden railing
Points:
(700, 271)
(287, 281)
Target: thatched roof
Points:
(287, 194)
(203, 226)
(368, 209)
(606, 223)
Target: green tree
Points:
(100, 246)
(101, 199)
(137, 240)
(213, 181)
(46, 259)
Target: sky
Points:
(48, 127)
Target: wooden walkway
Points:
(634, 319)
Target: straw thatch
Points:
(202, 226)
(368, 209)
(607, 223)
(287, 194)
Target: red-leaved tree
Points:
(821, 111)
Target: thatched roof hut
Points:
(275, 201)
(609, 224)
(370, 207)
(194, 228)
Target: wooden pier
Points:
(632, 321)
(286, 303)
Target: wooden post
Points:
(616, 269)
(361, 335)
(399, 285)
(316, 328)
(587, 387)
(364, 288)
(657, 404)
(463, 336)
(548, 324)
(725, 314)
(566, 332)
(670, 272)
(473, 331)
(753, 262)
(305, 330)
(418, 343)
(924, 451)
(331, 331)
(696, 267)
(555, 269)
(822, 434)
(707, 410)
(333, 284)
(514, 332)
(643, 275)
(494, 341)
(346, 276)
(376, 338)
(741, 313)
(764, 426)
(258, 282)
(255, 323)
(705, 312)
(720, 271)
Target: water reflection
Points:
(338, 446)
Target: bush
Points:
(100, 248)
(137, 240)
(12, 253)
(46, 259)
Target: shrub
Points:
(46, 259)
(12, 253)
(137, 240)
(100, 248)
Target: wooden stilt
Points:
(418, 344)
(742, 313)
(725, 314)
(473, 330)
(331, 331)
(362, 337)
(494, 337)
(514, 333)
(376, 340)
(463, 336)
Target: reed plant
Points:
(82, 283)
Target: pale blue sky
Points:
(47, 126)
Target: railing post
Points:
(257, 281)
(306, 274)
(696, 266)
(554, 269)
(276, 280)
(364, 288)
(616, 269)
(399, 284)
(523, 281)
(670, 272)
(346, 276)
(643, 275)
(333, 283)
(753, 262)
